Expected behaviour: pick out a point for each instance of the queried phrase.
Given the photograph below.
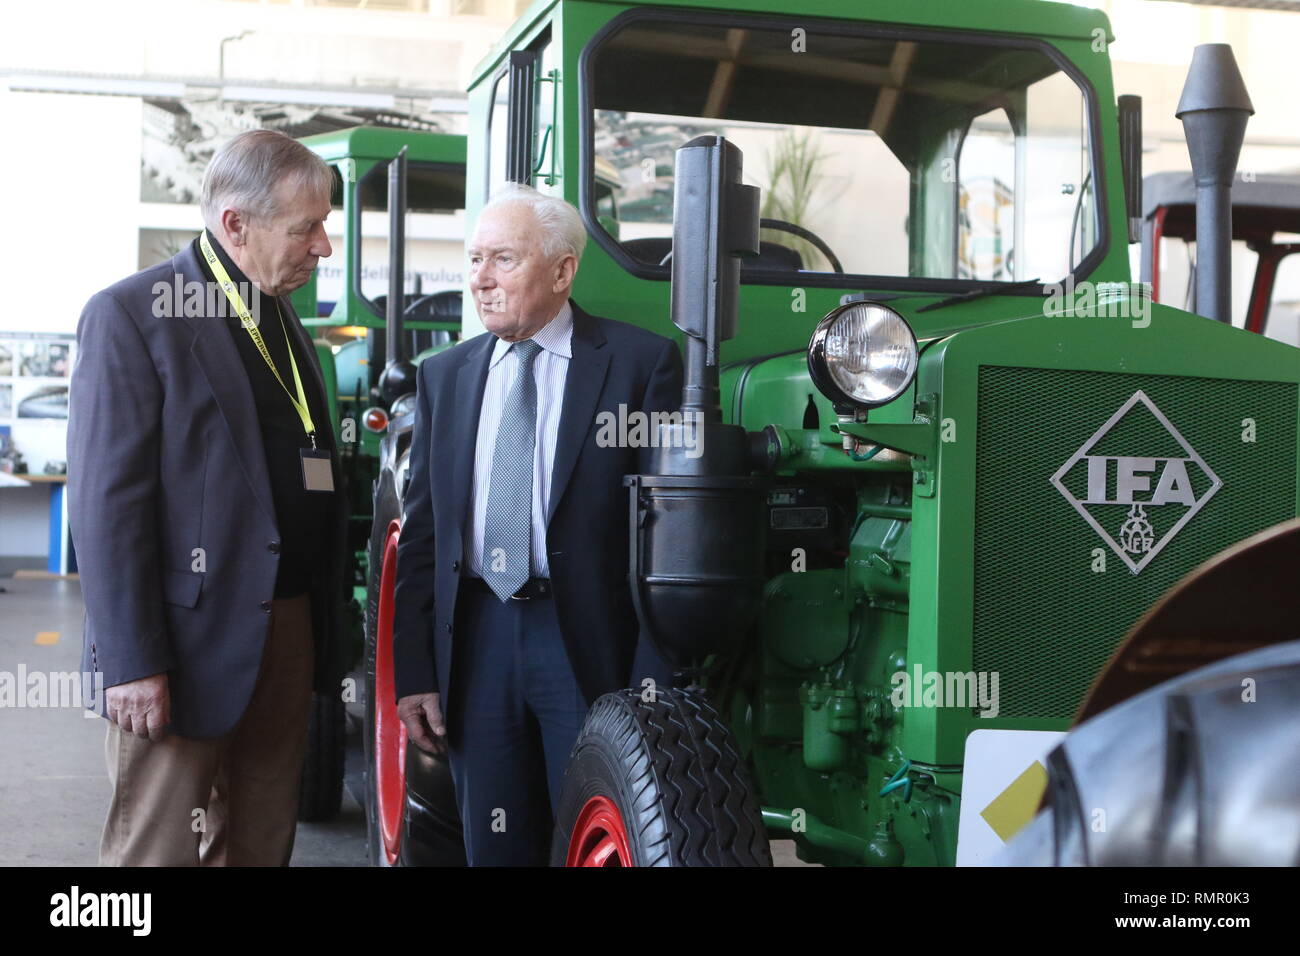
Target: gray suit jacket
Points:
(165, 456)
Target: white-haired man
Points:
(513, 611)
(209, 526)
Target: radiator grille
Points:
(1042, 618)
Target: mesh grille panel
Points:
(1043, 619)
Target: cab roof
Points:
(384, 142)
(1267, 203)
(1035, 18)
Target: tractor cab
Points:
(347, 297)
(950, 453)
(925, 160)
(1265, 223)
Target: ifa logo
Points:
(1135, 499)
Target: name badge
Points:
(316, 473)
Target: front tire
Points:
(657, 784)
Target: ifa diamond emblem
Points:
(1136, 498)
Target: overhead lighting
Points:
(277, 94)
(95, 85)
(1291, 5)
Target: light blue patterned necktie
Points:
(508, 528)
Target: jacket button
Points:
(266, 606)
(455, 565)
(447, 628)
(273, 547)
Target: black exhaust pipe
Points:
(1214, 108)
(398, 377)
(697, 522)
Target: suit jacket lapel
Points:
(471, 379)
(582, 387)
(221, 365)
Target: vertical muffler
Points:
(697, 522)
(1214, 108)
(398, 376)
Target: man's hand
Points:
(423, 719)
(142, 707)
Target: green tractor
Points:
(950, 452)
(351, 324)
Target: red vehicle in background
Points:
(1265, 220)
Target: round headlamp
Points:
(862, 354)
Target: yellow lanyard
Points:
(246, 318)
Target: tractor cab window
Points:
(877, 156)
(986, 212)
(435, 224)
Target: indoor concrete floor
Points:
(53, 782)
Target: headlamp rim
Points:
(820, 372)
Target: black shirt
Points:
(302, 516)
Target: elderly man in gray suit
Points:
(209, 521)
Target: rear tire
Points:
(321, 793)
(382, 852)
(657, 784)
(411, 814)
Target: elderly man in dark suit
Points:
(513, 611)
(209, 522)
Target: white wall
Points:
(290, 43)
(72, 188)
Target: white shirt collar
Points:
(555, 336)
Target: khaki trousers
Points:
(228, 801)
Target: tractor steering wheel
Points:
(780, 225)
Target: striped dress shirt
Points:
(550, 368)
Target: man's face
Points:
(281, 253)
(516, 289)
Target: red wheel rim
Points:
(599, 837)
(390, 733)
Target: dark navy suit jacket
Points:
(613, 364)
(165, 456)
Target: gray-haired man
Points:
(202, 478)
(513, 612)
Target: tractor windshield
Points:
(923, 156)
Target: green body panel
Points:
(920, 593)
(946, 548)
(325, 356)
(1175, 344)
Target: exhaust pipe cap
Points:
(1214, 82)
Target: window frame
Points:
(642, 270)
